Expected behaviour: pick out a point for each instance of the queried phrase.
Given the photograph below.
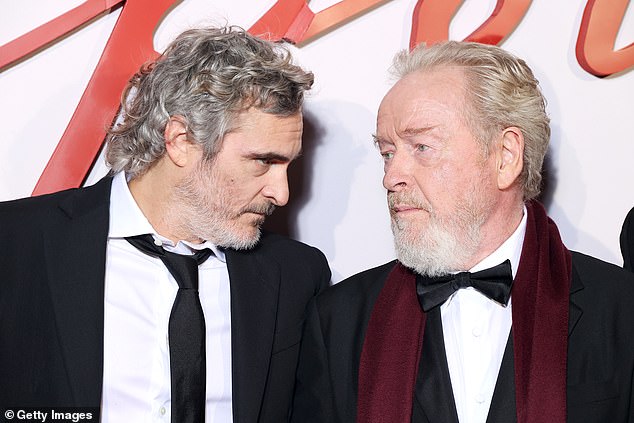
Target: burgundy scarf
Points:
(394, 337)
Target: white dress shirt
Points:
(475, 330)
(139, 293)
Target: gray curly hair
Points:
(501, 92)
(206, 77)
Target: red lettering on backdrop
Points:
(595, 46)
(293, 21)
(50, 31)
(285, 20)
(431, 19)
(131, 44)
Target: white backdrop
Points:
(339, 203)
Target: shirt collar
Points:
(510, 249)
(127, 219)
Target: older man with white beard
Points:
(485, 316)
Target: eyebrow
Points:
(418, 131)
(273, 157)
(409, 132)
(376, 140)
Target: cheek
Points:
(245, 193)
(436, 185)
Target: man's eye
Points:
(422, 147)
(387, 155)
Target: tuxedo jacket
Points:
(52, 269)
(627, 241)
(600, 366)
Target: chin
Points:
(407, 228)
(242, 240)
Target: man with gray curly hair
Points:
(485, 316)
(160, 297)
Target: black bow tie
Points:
(495, 283)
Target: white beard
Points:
(446, 244)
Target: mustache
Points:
(406, 199)
(265, 208)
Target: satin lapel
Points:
(434, 394)
(255, 284)
(575, 311)
(502, 407)
(75, 244)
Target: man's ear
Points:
(510, 157)
(177, 144)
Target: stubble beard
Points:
(203, 208)
(446, 243)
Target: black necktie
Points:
(495, 283)
(186, 331)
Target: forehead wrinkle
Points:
(426, 117)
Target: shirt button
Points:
(479, 398)
(162, 410)
(158, 242)
(476, 331)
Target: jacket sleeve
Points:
(313, 401)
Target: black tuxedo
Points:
(600, 370)
(627, 241)
(52, 267)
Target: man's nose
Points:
(398, 171)
(276, 190)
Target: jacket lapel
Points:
(503, 407)
(575, 311)
(75, 245)
(254, 298)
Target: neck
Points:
(498, 227)
(152, 192)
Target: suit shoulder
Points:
(31, 204)
(596, 274)
(360, 288)
(594, 266)
(42, 206)
(368, 277)
(284, 248)
(25, 214)
(294, 258)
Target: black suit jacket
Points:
(52, 267)
(600, 352)
(627, 241)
